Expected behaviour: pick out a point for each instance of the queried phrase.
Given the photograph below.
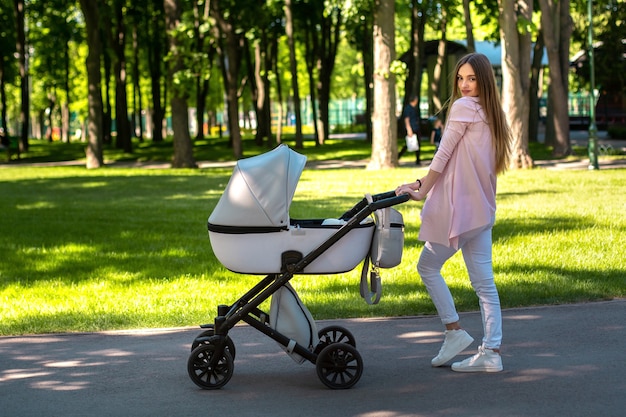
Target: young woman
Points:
(460, 206)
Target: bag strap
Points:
(372, 289)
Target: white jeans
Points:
(476, 248)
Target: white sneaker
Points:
(453, 343)
(486, 360)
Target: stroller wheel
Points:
(205, 338)
(339, 366)
(334, 334)
(207, 370)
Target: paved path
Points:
(565, 360)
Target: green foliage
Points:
(609, 30)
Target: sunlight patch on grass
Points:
(37, 205)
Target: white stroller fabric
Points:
(250, 228)
(260, 190)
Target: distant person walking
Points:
(411, 123)
(459, 211)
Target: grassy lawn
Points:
(87, 250)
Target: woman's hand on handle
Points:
(410, 189)
(419, 189)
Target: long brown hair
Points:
(490, 101)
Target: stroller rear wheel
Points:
(339, 366)
(334, 334)
(205, 338)
(207, 370)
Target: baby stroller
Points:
(251, 233)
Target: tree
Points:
(156, 46)
(232, 19)
(415, 62)
(93, 151)
(384, 146)
(52, 40)
(262, 68)
(516, 74)
(279, 90)
(293, 64)
(469, 29)
(183, 149)
(118, 43)
(328, 17)
(360, 31)
(20, 17)
(609, 29)
(8, 69)
(557, 27)
(261, 64)
(535, 88)
(435, 83)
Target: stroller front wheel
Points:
(205, 338)
(339, 366)
(207, 370)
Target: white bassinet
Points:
(250, 229)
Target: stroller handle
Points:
(382, 200)
(389, 199)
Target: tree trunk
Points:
(293, 64)
(262, 67)
(202, 84)
(183, 149)
(52, 101)
(233, 46)
(23, 59)
(155, 61)
(515, 76)
(107, 117)
(384, 142)
(331, 29)
(310, 48)
(4, 134)
(137, 96)
(535, 89)
(65, 108)
(413, 83)
(469, 29)
(93, 151)
(123, 138)
(435, 84)
(279, 92)
(368, 75)
(231, 62)
(557, 90)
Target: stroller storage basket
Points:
(261, 252)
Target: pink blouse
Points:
(464, 196)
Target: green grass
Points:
(116, 248)
(210, 149)
(217, 150)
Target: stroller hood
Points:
(260, 190)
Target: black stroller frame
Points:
(338, 364)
